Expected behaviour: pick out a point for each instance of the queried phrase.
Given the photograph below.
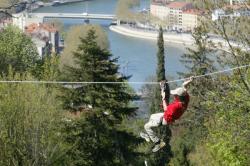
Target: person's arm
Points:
(164, 103)
(187, 82)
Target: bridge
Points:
(73, 15)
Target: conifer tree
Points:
(160, 72)
(198, 61)
(97, 136)
(162, 157)
(160, 57)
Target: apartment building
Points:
(175, 19)
(191, 19)
(46, 38)
(178, 15)
(159, 9)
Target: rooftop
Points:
(237, 7)
(36, 27)
(193, 11)
(159, 2)
(178, 5)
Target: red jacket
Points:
(176, 109)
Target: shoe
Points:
(145, 136)
(158, 146)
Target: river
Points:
(137, 57)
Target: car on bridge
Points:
(85, 14)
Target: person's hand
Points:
(191, 78)
(162, 83)
(187, 82)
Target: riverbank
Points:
(171, 37)
(185, 39)
(39, 4)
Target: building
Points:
(236, 2)
(22, 20)
(231, 11)
(45, 36)
(176, 9)
(191, 19)
(172, 14)
(159, 10)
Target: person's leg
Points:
(155, 120)
(145, 136)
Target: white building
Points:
(45, 36)
(172, 14)
(191, 19)
(234, 2)
(175, 19)
(231, 11)
(160, 11)
(22, 20)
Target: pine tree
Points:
(160, 57)
(162, 157)
(100, 139)
(160, 72)
(198, 61)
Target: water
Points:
(137, 56)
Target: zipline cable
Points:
(66, 82)
(213, 73)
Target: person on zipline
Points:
(172, 112)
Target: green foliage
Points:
(160, 73)
(198, 61)
(58, 24)
(50, 68)
(91, 137)
(47, 68)
(162, 157)
(124, 12)
(220, 108)
(95, 65)
(6, 3)
(181, 151)
(160, 57)
(201, 155)
(100, 138)
(229, 128)
(29, 124)
(96, 142)
(17, 50)
(72, 41)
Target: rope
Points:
(65, 82)
(213, 73)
